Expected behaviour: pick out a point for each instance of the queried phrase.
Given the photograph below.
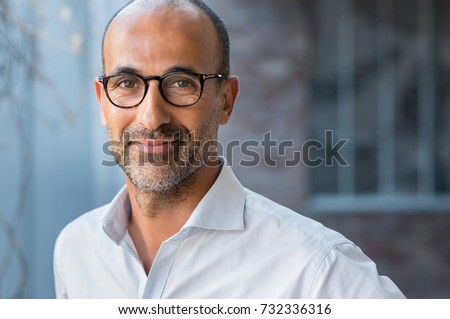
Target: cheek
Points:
(187, 117)
(209, 121)
(200, 119)
(213, 114)
(117, 120)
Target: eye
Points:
(125, 82)
(183, 84)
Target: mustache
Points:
(165, 131)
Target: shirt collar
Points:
(222, 208)
(115, 221)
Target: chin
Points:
(160, 178)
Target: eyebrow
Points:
(181, 68)
(175, 68)
(125, 69)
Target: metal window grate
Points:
(377, 73)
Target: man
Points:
(183, 226)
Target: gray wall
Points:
(51, 137)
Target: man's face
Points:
(157, 144)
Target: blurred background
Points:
(373, 72)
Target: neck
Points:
(155, 217)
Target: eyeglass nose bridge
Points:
(146, 80)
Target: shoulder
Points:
(82, 228)
(73, 241)
(335, 268)
(285, 220)
(75, 248)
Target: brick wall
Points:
(271, 54)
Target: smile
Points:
(153, 145)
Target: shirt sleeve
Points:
(60, 290)
(346, 272)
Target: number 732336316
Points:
(295, 309)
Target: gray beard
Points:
(161, 175)
(164, 173)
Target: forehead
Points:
(153, 39)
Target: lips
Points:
(159, 140)
(153, 145)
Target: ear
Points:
(99, 93)
(230, 92)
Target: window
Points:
(381, 79)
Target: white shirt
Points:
(236, 244)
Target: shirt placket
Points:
(135, 264)
(160, 271)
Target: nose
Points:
(153, 111)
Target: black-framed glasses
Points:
(127, 90)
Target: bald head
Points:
(190, 7)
